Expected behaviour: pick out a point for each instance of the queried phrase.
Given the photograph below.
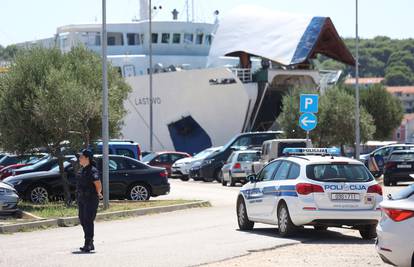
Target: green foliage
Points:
(379, 57)
(386, 110)
(8, 53)
(336, 119)
(49, 97)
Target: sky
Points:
(26, 20)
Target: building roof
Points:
(401, 89)
(283, 38)
(367, 80)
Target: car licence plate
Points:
(353, 197)
(404, 166)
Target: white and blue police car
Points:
(311, 186)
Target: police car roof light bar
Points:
(333, 151)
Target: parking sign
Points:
(309, 103)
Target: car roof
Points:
(246, 151)
(319, 159)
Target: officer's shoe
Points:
(88, 247)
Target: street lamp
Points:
(105, 112)
(357, 116)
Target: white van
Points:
(273, 149)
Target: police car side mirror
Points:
(252, 178)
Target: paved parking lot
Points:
(188, 238)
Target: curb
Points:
(13, 228)
(73, 221)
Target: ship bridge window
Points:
(199, 38)
(115, 38)
(154, 38)
(209, 39)
(98, 39)
(176, 38)
(165, 38)
(188, 38)
(134, 39)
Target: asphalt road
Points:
(183, 238)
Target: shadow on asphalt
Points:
(311, 236)
(83, 253)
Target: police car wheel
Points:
(320, 227)
(139, 192)
(242, 219)
(223, 182)
(368, 232)
(37, 194)
(285, 225)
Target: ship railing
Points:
(244, 75)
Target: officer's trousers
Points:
(87, 208)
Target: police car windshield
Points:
(338, 173)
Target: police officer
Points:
(88, 191)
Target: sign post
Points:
(308, 106)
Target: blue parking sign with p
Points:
(309, 103)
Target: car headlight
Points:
(208, 161)
(7, 192)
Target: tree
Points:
(336, 119)
(386, 110)
(49, 99)
(289, 116)
(336, 124)
(398, 75)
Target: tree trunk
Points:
(65, 182)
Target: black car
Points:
(399, 166)
(211, 166)
(44, 164)
(128, 178)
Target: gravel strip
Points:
(336, 247)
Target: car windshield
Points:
(338, 173)
(404, 193)
(248, 157)
(56, 168)
(205, 153)
(36, 165)
(402, 156)
(35, 160)
(149, 157)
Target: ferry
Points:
(211, 81)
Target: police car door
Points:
(255, 195)
(278, 188)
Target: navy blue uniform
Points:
(88, 199)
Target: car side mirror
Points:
(252, 178)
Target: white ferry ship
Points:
(211, 80)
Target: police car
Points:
(311, 187)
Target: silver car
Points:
(8, 198)
(239, 166)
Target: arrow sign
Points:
(308, 121)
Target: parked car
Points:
(210, 168)
(376, 160)
(120, 147)
(238, 167)
(8, 160)
(45, 164)
(128, 178)
(181, 168)
(395, 243)
(273, 149)
(8, 171)
(398, 167)
(8, 199)
(164, 159)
